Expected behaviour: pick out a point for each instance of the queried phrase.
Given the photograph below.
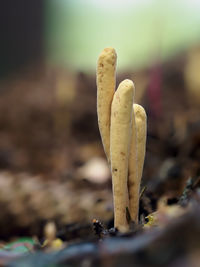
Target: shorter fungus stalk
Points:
(141, 129)
(136, 159)
(133, 188)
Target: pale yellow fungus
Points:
(136, 158)
(106, 80)
(120, 134)
(123, 130)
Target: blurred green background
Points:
(76, 31)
